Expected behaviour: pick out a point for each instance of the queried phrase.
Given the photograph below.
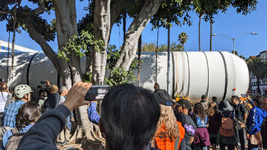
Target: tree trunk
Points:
(13, 40)
(124, 25)
(101, 30)
(129, 46)
(199, 24)
(139, 57)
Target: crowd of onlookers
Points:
(132, 118)
(19, 112)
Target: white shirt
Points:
(3, 98)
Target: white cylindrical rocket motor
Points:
(193, 74)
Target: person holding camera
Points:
(129, 117)
(53, 98)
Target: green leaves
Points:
(80, 44)
(119, 75)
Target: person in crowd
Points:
(204, 102)
(11, 99)
(93, 116)
(170, 132)
(264, 125)
(255, 119)
(214, 99)
(28, 113)
(187, 122)
(63, 91)
(201, 137)
(240, 113)
(226, 136)
(43, 97)
(213, 124)
(64, 135)
(3, 99)
(53, 99)
(23, 95)
(120, 121)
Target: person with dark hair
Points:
(226, 113)
(187, 122)
(204, 102)
(43, 97)
(241, 114)
(214, 99)
(28, 113)
(213, 124)
(23, 95)
(129, 117)
(201, 137)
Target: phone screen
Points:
(244, 95)
(97, 92)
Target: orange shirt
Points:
(166, 143)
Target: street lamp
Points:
(253, 33)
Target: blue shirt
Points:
(10, 113)
(9, 133)
(92, 113)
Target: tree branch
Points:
(129, 46)
(8, 12)
(38, 11)
(42, 42)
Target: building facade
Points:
(253, 79)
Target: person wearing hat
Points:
(53, 99)
(170, 132)
(22, 95)
(187, 122)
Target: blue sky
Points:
(229, 23)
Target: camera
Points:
(43, 82)
(97, 92)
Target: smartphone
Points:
(97, 92)
(43, 82)
(244, 95)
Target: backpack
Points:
(227, 126)
(13, 141)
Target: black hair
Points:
(40, 92)
(235, 97)
(258, 100)
(199, 110)
(214, 98)
(129, 116)
(27, 114)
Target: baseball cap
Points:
(53, 88)
(203, 96)
(185, 103)
(163, 97)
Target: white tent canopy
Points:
(4, 47)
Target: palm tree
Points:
(182, 38)
(258, 67)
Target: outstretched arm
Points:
(43, 134)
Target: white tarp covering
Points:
(4, 47)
